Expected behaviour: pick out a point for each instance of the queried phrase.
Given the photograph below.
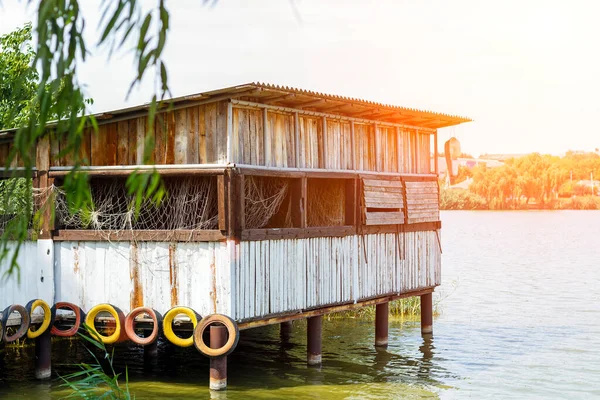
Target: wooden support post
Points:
(236, 206)
(297, 139)
(218, 365)
(427, 313)
(435, 152)
(285, 330)
(222, 202)
(325, 152)
(43, 352)
(350, 215)
(42, 164)
(352, 149)
(313, 342)
(230, 145)
(266, 138)
(378, 156)
(416, 152)
(150, 350)
(381, 324)
(399, 151)
(298, 193)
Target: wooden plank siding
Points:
(382, 201)
(278, 276)
(422, 201)
(193, 135)
(198, 135)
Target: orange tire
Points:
(79, 317)
(130, 326)
(232, 330)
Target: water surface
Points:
(520, 318)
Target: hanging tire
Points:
(48, 317)
(232, 330)
(130, 325)
(79, 317)
(118, 335)
(23, 327)
(168, 326)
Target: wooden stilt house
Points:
(280, 203)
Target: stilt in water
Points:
(150, 350)
(43, 352)
(313, 342)
(285, 331)
(427, 314)
(218, 365)
(381, 324)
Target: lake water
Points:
(520, 318)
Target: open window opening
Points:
(268, 202)
(326, 202)
(190, 203)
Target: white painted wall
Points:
(244, 280)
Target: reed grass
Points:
(408, 308)
(97, 380)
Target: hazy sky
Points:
(526, 71)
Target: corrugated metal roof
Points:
(302, 99)
(353, 100)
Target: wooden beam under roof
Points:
(275, 99)
(335, 107)
(370, 111)
(379, 116)
(311, 103)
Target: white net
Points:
(190, 204)
(264, 197)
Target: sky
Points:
(526, 71)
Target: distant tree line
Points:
(533, 181)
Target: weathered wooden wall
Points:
(296, 140)
(35, 277)
(276, 276)
(199, 135)
(125, 274)
(153, 274)
(246, 280)
(193, 135)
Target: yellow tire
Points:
(32, 305)
(115, 313)
(168, 326)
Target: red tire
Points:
(79, 316)
(23, 328)
(130, 325)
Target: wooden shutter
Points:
(422, 201)
(382, 200)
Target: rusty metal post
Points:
(218, 365)
(381, 324)
(285, 330)
(313, 340)
(43, 352)
(427, 313)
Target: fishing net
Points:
(264, 197)
(190, 203)
(326, 200)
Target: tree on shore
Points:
(43, 85)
